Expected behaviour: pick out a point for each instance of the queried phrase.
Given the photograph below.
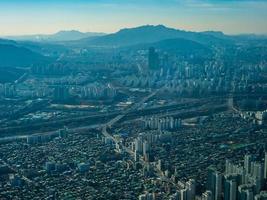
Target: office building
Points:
(153, 59)
(214, 183)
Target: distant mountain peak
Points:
(72, 31)
(66, 31)
(151, 34)
(60, 36)
(146, 27)
(214, 33)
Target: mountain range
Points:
(150, 34)
(14, 55)
(27, 50)
(60, 36)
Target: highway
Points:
(181, 110)
(104, 130)
(119, 117)
(77, 129)
(126, 149)
(132, 111)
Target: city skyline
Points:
(47, 17)
(169, 104)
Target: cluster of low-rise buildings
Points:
(74, 166)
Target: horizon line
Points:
(122, 28)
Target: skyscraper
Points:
(183, 194)
(247, 163)
(265, 166)
(191, 189)
(245, 192)
(153, 59)
(233, 187)
(230, 187)
(138, 145)
(258, 175)
(214, 183)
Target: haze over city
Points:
(137, 99)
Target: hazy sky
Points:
(48, 16)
